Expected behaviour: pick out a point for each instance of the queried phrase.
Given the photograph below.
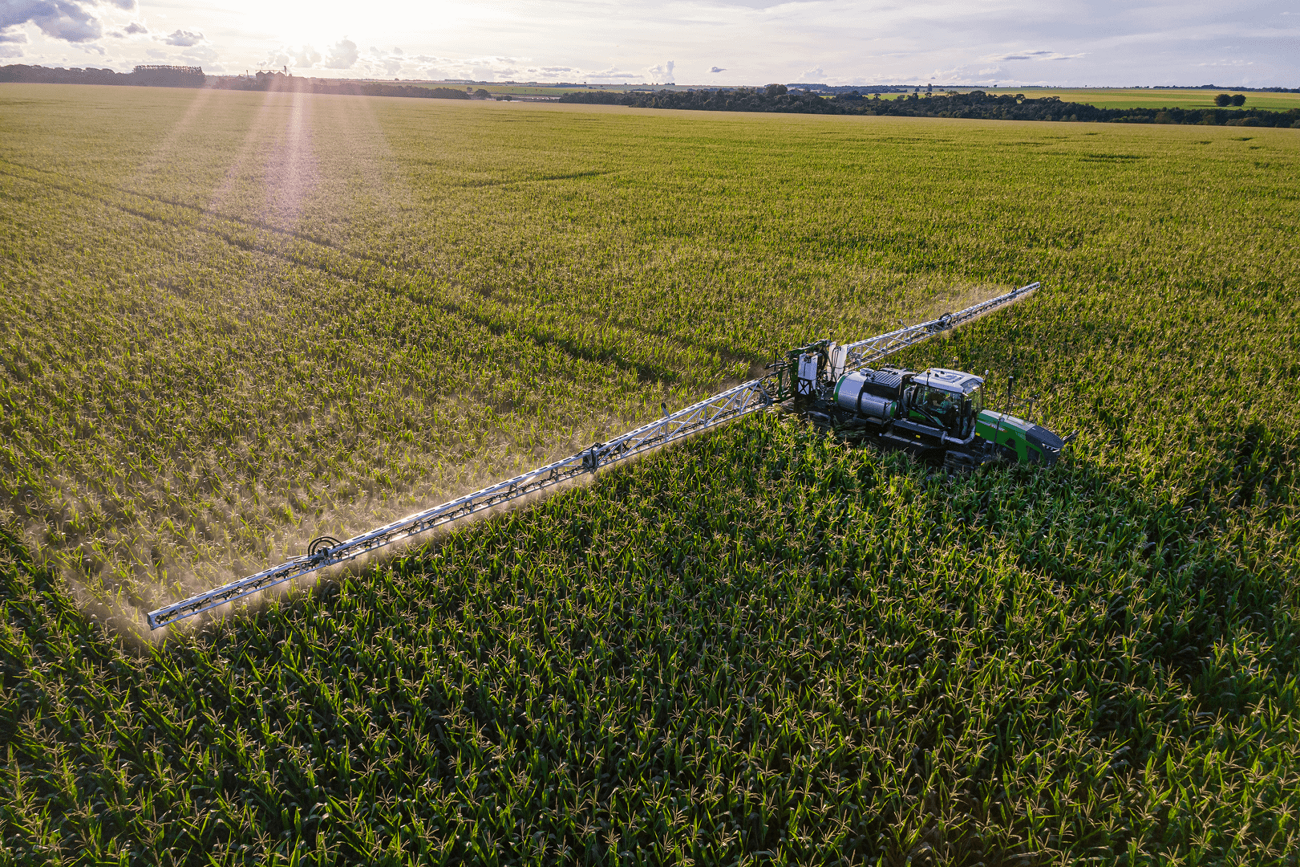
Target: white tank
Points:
(850, 395)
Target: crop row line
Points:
(177, 203)
(644, 372)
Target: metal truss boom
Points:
(707, 414)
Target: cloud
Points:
(7, 50)
(343, 55)
(200, 54)
(715, 70)
(662, 73)
(135, 27)
(391, 63)
(1031, 55)
(16, 37)
(306, 57)
(614, 73)
(69, 20)
(184, 38)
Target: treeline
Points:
(147, 76)
(280, 81)
(976, 105)
(192, 76)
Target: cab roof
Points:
(952, 381)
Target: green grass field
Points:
(1138, 97)
(1102, 97)
(231, 321)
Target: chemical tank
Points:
(851, 394)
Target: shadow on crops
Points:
(1178, 587)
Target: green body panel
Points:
(1005, 430)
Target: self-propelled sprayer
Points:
(936, 414)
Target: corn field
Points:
(231, 322)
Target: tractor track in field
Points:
(645, 373)
(724, 352)
(570, 176)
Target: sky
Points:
(1066, 43)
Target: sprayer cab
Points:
(949, 398)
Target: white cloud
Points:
(200, 54)
(306, 57)
(343, 55)
(68, 20)
(1032, 55)
(391, 62)
(184, 38)
(15, 37)
(614, 73)
(662, 73)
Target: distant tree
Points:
(1223, 100)
(1239, 99)
(482, 94)
(776, 90)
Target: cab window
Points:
(938, 402)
